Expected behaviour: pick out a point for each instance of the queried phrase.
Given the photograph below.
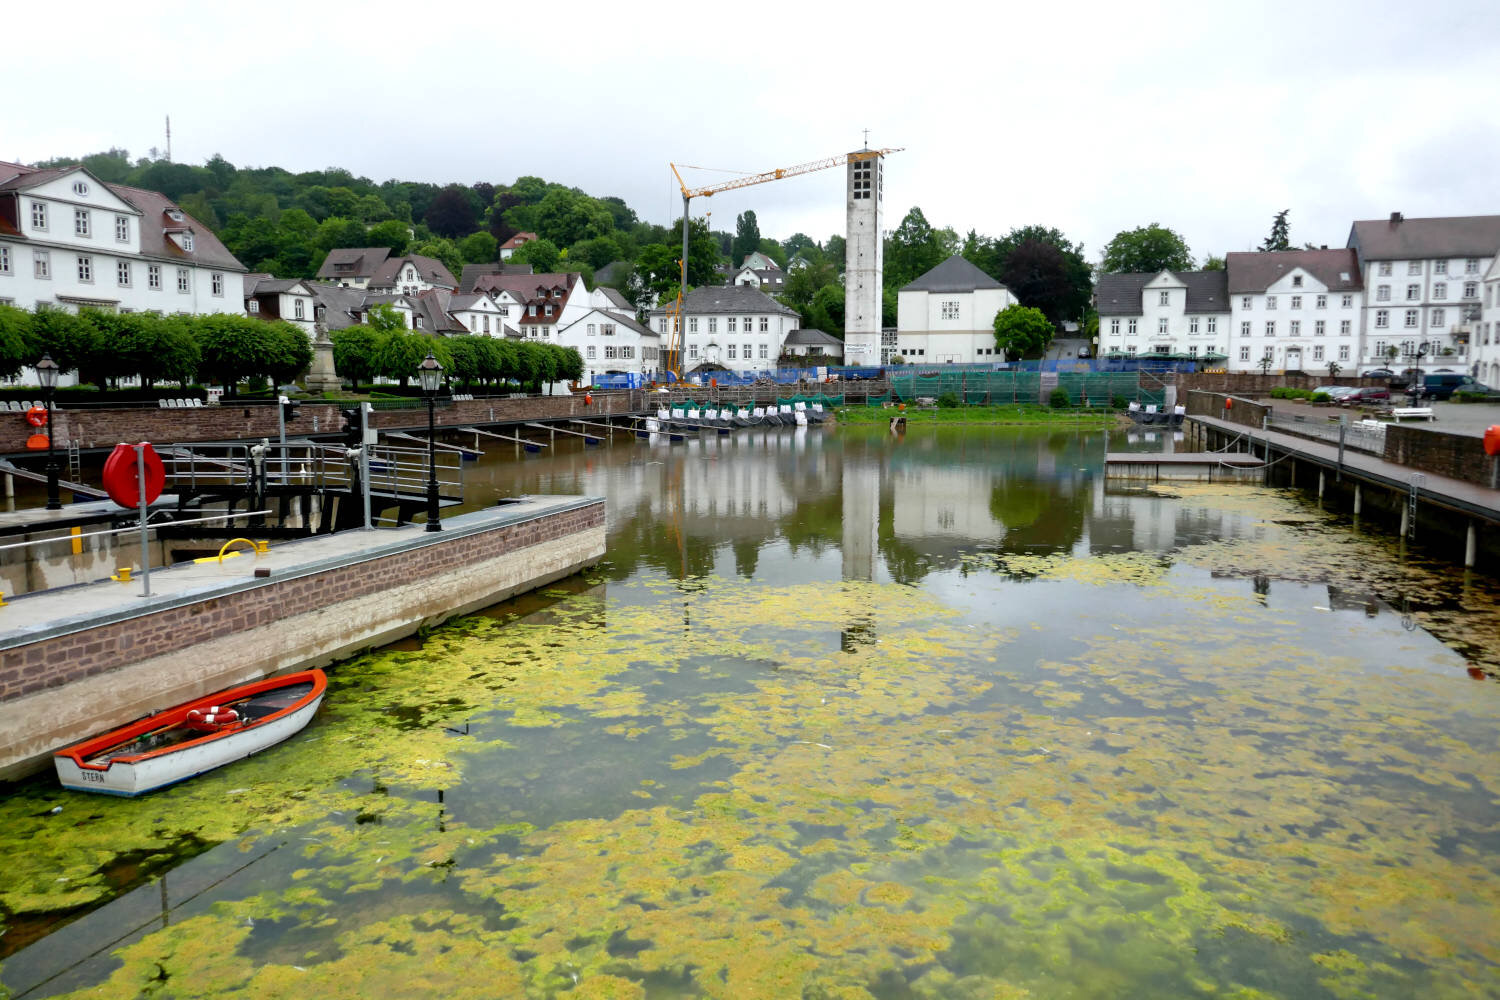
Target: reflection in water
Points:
(844, 715)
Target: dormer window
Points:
(531, 310)
(81, 188)
(174, 215)
(187, 242)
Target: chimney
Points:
(1395, 218)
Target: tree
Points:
(746, 238)
(1040, 275)
(1149, 248)
(565, 216)
(442, 250)
(1022, 331)
(479, 248)
(392, 234)
(569, 364)
(1279, 237)
(354, 349)
(15, 341)
(1333, 369)
(912, 250)
(542, 255)
(73, 342)
(1214, 263)
(237, 347)
(798, 242)
(454, 212)
(1265, 363)
(335, 232)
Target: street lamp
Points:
(431, 374)
(46, 373)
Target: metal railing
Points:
(1358, 435)
(404, 471)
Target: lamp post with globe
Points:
(430, 371)
(46, 373)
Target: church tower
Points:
(864, 267)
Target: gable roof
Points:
(626, 321)
(207, 250)
(616, 299)
(953, 275)
(734, 299)
(816, 338)
(352, 262)
(1399, 238)
(1255, 271)
(517, 240)
(429, 269)
(1120, 294)
(524, 286)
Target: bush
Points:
(1321, 397)
(1059, 399)
(1119, 402)
(1470, 397)
(948, 400)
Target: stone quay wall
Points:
(1457, 456)
(1211, 404)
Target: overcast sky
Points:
(1091, 117)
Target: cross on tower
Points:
(867, 138)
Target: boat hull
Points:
(140, 773)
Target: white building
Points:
(1422, 282)
(374, 268)
(537, 306)
(67, 239)
(289, 299)
(612, 343)
(818, 347)
(1486, 340)
(736, 326)
(864, 264)
(1300, 308)
(947, 316)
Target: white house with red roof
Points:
(513, 244)
(69, 240)
(612, 343)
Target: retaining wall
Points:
(1457, 456)
(1211, 404)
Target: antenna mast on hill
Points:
(169, 138)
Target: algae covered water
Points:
(844, 716)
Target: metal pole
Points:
(281, 402)
(140, 482)
(364, 483)
(1339, 471)
(433, 521)
(54, 498)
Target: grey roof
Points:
(1399, 238)
(471, 272)
(1120, 294)
(429, 269)
(617, 300)
(253, 279)
(813, 338)
(353, 262)
(1257, 271)
(734, 299)
(625, 321)
(953, 275)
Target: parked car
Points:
(1366, 394)
(1334, 392)
(1379, 373)
(1442, 385)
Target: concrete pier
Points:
(78, 661)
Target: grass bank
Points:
(1013, 414)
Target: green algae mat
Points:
(1248, 764)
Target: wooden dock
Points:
(1189, 466)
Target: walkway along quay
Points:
(76, 661)
(1435, 484)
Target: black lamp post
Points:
(431, 374)
(46, 373)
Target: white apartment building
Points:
(1422, 281)
(736, 326)
(69, 240)
(1300, 308)
(612, 343)
(1486, 339)
(948, 315)
(1171, 312)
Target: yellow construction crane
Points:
(674, 344)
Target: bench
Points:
(1415, 412)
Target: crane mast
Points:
(675, 341)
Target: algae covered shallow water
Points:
(844, 716)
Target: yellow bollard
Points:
(123, 576)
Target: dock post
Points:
(10, 486)
(1356, 499)
(1343, 429)
(1321, 482)
(1470, 544)
(1405, 519)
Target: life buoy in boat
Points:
(37, 416)
(212, 718)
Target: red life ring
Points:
(120, 479)
(37, 416)
(212, 718)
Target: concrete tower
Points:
(864, 266)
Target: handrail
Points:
(134, 528)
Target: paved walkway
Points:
(1454, 418)
(1454, 494)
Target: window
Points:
(187, 242)
(1193, 350)
(765, 352)
(1247, 302)
(1296, 283)
(1245, 328)
(713, 324)
(731, 324)
(1213, 324)
(153, 275)
(505, 311)
(661, 325)
(1440, 290)
(746, 355)
(692, 325)
(4, 260)
(1270, 328)
(1471, 289)
(1347, 302)
(1380, 348)
(1161, 325)
(731, 349)
(765, 324)
(590, 352)
(1471, 266)
(692, 350)
(1164, 299)
(1295, 328)
(1318, 352)
(85, 268)
(1413, 292)
(218, 288)
(1129, 348)
(548, 309)
(1385, 269)
(81, 187)
(1245, 353)
(1343, 352)
(122, 228)
(1440, 267)
(182, 279)
(41, 263)
(747, 324)
(1320, 328)
(1411, 318)
(1114, 328)
(609, 352)
(607, 329)
(1382, 318)
(627, 351)
(591, 330)
(486, 321)
(1297, 301)
(299, 311)
(1344, 327)
(1438, 319)
(81, 222)
(1383, 293)
(122, 273)
(1192, 324)
(1270, 302)
(1321, 303)
(38, 215)
(1414, 267)
(1130, 328)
